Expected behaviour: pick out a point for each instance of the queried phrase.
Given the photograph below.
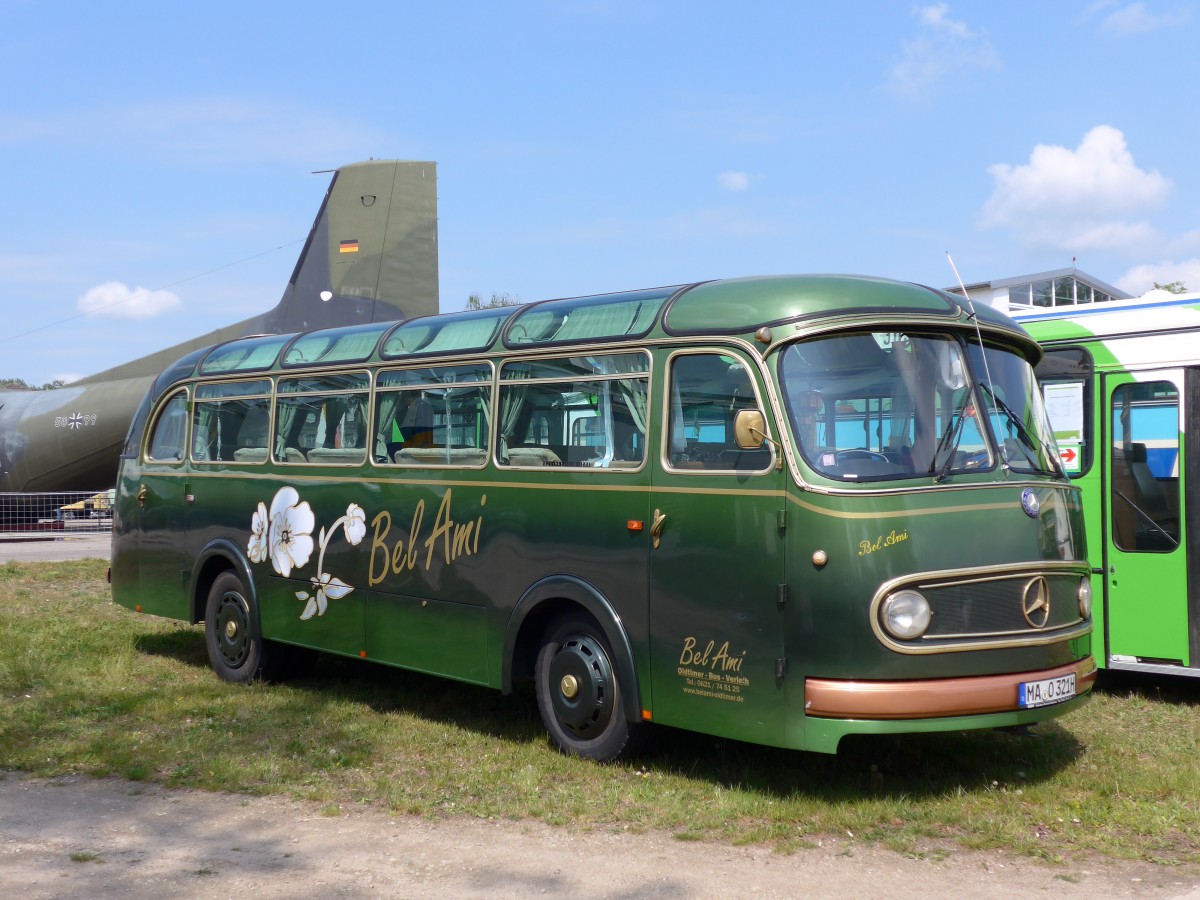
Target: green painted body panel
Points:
(870, 540)
(444, 570)
(154, 534)
(741, 305)
(1053, 330)
(432, 636)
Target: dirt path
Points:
(78, 837)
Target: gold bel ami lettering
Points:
(454, 539)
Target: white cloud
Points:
(734, 181)
(1136, 19)
(1142, 278)
(115, 300)
(942, 49)
(1077, 199)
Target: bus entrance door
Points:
(716, 564)
(1149, 617)
(160, 516)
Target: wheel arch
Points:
(219, 556)
(546, 601)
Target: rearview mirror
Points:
(749, 429)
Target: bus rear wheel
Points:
(578, 695)
(236, 649)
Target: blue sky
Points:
(582, 147)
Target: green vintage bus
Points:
(1122, 386)
(780, 509)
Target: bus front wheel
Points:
(577, 692)
(235, 647)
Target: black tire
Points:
(578, 693)
(236, 648)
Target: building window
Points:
(1043, 293)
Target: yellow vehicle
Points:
(93, 506)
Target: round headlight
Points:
(1085, 597)
(906, 614)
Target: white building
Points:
(1061, 287)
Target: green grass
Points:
(87, 687)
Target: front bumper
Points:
(932, 698)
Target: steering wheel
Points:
(696, 453)
(859, 453)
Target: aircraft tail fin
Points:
(371, 255)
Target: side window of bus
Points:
(1145, 466)
(706, 391)
(586, 412)
(436, 416)
(230, 421)
(322, 419)
(169, 435)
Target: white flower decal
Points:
(328, 588)
(257, 547)
(356, 523)
(290, 535)
(286, 535)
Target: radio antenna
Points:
(983, 354)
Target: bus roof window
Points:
(353, 344)
(603, 317)
(244, 355)
(445, 334)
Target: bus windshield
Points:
(870, 406)
(1015, 411)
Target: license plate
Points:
(1049, 690)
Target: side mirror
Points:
(749, 429)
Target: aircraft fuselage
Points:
(66, 439)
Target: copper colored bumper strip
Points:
(931, 698)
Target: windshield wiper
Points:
(1030, 440)
(950, 439)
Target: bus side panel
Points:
(124, 556)
(431, 636)
(447, 555)
(426, 596)
(339, 630)
(540, 524)
(165, 546)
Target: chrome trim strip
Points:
(990, 641)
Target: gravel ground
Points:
(81, 837)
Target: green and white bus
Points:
(1122, 388)
(781, 510)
